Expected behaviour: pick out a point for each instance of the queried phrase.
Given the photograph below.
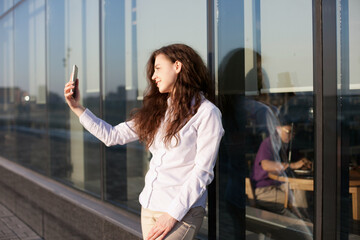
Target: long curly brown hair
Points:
(192, 82)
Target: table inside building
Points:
(307, 184)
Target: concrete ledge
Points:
(55, 211)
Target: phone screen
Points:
(74, 79)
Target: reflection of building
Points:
(75, 188)
(10, 96)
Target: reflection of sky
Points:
(286, 39)
(28, 49)
(6, 52)
(229, 20)
(21, 38)
(5, 5)
(286, 43)
(354, 40)
(162, 22)
(114, 45)
(56, 46)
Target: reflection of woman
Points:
(240, 112)
(181, 128)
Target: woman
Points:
(181, 128)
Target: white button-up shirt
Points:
(178, 175)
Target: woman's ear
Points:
(178, 66)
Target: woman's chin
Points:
(163, 90)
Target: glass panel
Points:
(9, 95)
(128, 43)
(348, 37)
(266, 97)
(5, 5)
(30, 128)
(58, 112)
(73, 38)
(115, 105)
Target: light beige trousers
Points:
(186, 229)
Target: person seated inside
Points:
(273, 157)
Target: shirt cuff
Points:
(178, 212)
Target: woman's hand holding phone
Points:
(72, 93)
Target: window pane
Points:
(5, 5)
(73, 38)
(348, 24)
(9, 95)
(115, 103)
(58, 112)
(30, 84)
(265, 78)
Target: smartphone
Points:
(74, 80)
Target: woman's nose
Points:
(153, 76)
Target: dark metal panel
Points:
(325, 85)
(212, 199)
(318, 102)
(101, 108)
(330, 179)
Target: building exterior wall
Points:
(54, 211)
(269, 60)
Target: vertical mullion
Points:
(318, 102)
(212, 199)
(101, 107)
(47, 92)
(330, 176)
(325, 83)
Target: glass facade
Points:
(270, 65)
(110, 41)
(348, 62)
(265, 88)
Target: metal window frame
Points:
(212, 189)
(327, 129)
(326, 136)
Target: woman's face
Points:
(165, 73)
